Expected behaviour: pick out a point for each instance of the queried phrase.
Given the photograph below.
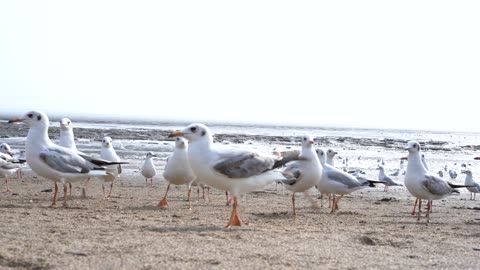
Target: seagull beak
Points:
(404, 158)
(311, 142)
(15, 120)
(10, 153)
(176, 133)
(476, 158)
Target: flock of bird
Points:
(197, 160)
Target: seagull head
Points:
(467, 172)
(33, 119)
(307, 141)
(321, 155)
(331, 153)
(107, 142)
(65, 124)
(413, 147)
(181, 142)
(150, 155)
(194, 132)
(5, 148)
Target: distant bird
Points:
(472, 186)
(330, 155)
(303, 173)
(54, 162)
(178, 170)
(5, 149)
(395, 173)
(148, 169)
(424, 162)
(108, 153)
(440, 173)
(453, 174)
(421, 183)
(8, 166)
(387, 180)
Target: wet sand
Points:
(372, 229)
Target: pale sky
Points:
(393, 64)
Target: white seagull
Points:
(303, 173)
(233, 170)
(472, 186)
(108, 153)
(8, 166)
(384, 178)
(337, 182)
(423, 184)
(54, 162)
(5, 149)
(148, 169)
(178, 171)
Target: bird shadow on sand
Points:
(194, 229)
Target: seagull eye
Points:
(68, 123)
(193, 129)
(30, 115)
(39, 118)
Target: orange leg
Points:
(338, 200)
(228, 199)
(65, 191)
(414, 208)
(419, 209)
(110, 192)
(7, 182)
(188, 198)
(429, 206)
(293, 203)
(235, 217)
(333, 204)
(164, 202)
(54, 202)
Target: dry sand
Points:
(371, 230)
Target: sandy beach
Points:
(372, 229)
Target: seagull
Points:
(424, 162)
(473, 186)
(336, 182)
(8, 166)
(233, 170)
(108, 153)
(395, 173)
(303, 173)
(5, 149)
(384, 178)
(54, 162)
(330, 155)
(67, 138)
(148, 168)
(178, 170)
(423, 184)
(453, 174)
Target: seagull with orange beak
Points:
(56, 163)
(233, 170)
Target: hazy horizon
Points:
(370, 64)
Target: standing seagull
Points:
(8, 166)
(384, 178)
(148, 169)
(473, 186)
(54, 162)
(337, 182)
(423, 184)
(67, 140)
(108, 153)
(5, 149)
(233, 170)
(178, 170)
(304, 173)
